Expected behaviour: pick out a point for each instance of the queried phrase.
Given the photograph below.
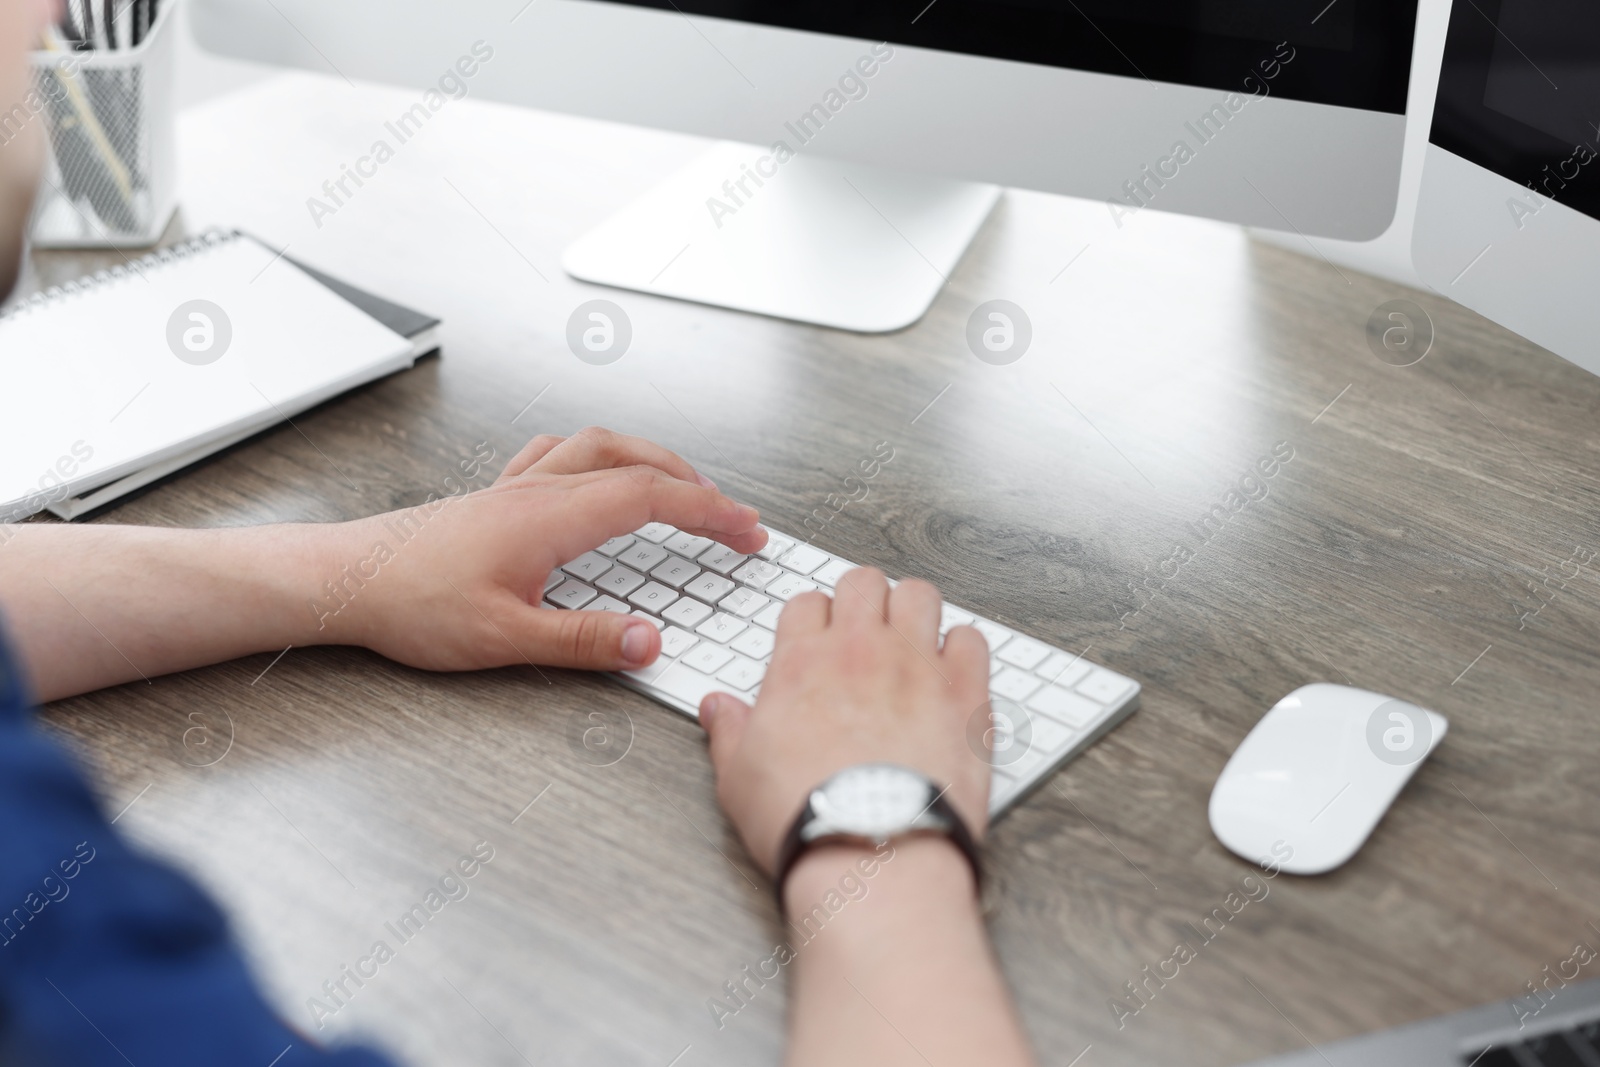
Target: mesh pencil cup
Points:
(111, 179)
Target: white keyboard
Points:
(717, 610)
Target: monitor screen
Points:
(1519, 94)
(1347, 53)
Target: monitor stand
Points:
(820, 241)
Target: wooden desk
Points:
(1168, 356)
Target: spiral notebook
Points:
(116, 380)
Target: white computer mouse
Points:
(1306, 787)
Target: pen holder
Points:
(111, 177)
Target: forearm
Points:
(92, 606)
(902, 975)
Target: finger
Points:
(597, 448)
(531, 453)
(585, 640)
(914, 611)
(861, 598)
(621, 501)
(749, 543)
(724, 717)
(806, 614)
(966, 655)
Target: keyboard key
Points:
(1048, 735)
(952, 616)
(1552, 1050)
(616, 545)
(611, 604)
(1587, 1038)
(1025, 765)
(757, 573)
(642, 556)
(1024, 652)
(1104, 686)
(1001, 785)
(571, 594)
(1004, 748)
(707, 656)
(722, 627)
(687, 613)
(1065, 705)
(655, 532)
(709, 587)
(744, 602)
(995, 635)
(675, 572)
(721, 558)
(688, 685)
(675, 642)
(652, 597)
(803, 559)
(647, 674)
(619, 581)
(687, 544)
(776, 546)
(788, 586)
(1493, 1057)
(754, 642)
(588, 566)
(768, 616)
(742, 673)
(649, 618)
(1014, 684)
(1062, 669)
(553, 579)
(830, 572)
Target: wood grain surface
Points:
(1393, 552)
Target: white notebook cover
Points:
(92, 390)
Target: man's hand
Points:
(465, 593)
(451, 585)
(889, 953)
(858, 678)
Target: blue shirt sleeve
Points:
(107, 956)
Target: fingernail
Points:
(703, 480)
(636, 642)
(709, 707)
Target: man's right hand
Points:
(905, 965)
(856, 678)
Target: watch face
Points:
(876, 800)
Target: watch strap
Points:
(948, 822)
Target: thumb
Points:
(724, 717)
(587, 640)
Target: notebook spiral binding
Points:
(159, 258)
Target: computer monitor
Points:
(1508, 221)
(868, 139)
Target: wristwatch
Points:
(872, 803)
